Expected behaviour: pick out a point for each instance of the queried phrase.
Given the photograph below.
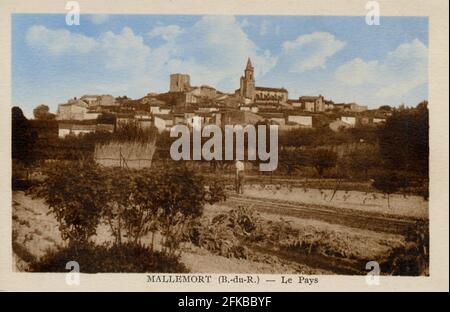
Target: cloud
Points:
(124, 50)
(98, 19)
(264, 28)
(168, 33)
(311, 51)
(356, 72)
(60, 41)
(399, 72)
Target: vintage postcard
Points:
(224, 145)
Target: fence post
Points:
(120, 157)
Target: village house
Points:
(295, 103)
(274, 118)
(312, 103)
(338, 125)
(349, 107)
(203, 91)
(99, 100)
(65, 129)
(378, 120)
(351, 120)
(105, 128)
(207, 107)
(250, 108)
(160, 110)
(75, 109)
(123, 119)
(179, 118)
(143, 119)
(163, 122)
(329, 105)
(187, 94)
(203, 119)
(240, 118)
(305, 121)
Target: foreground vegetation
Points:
(81, 195)
(242, 233)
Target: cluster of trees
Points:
(42, 112)
(22, 137)
(321, 159)
(404, 140)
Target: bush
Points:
(411, 259)
(322, 159)
(226, 232)
(360, 161)
(127, 258)
(404, 140)
(291, 160)
(180, 198)
(76, 195)
(132, 202)
(390, 182)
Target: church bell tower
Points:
(248, 82)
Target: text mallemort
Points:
(200, 279)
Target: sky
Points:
(341, 58)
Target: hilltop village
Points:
(250, 104)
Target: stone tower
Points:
(247, 89)
(179, 83)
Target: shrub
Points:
(226, 233)
(129, 258)
(119, 186)
(361, 161)
(322, 159)
(180, 197)
(291, 160)
(216, 191)
(404, 140)
(411, 259)
(390, 182)
(76, 195)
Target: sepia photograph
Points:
(220, 144)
